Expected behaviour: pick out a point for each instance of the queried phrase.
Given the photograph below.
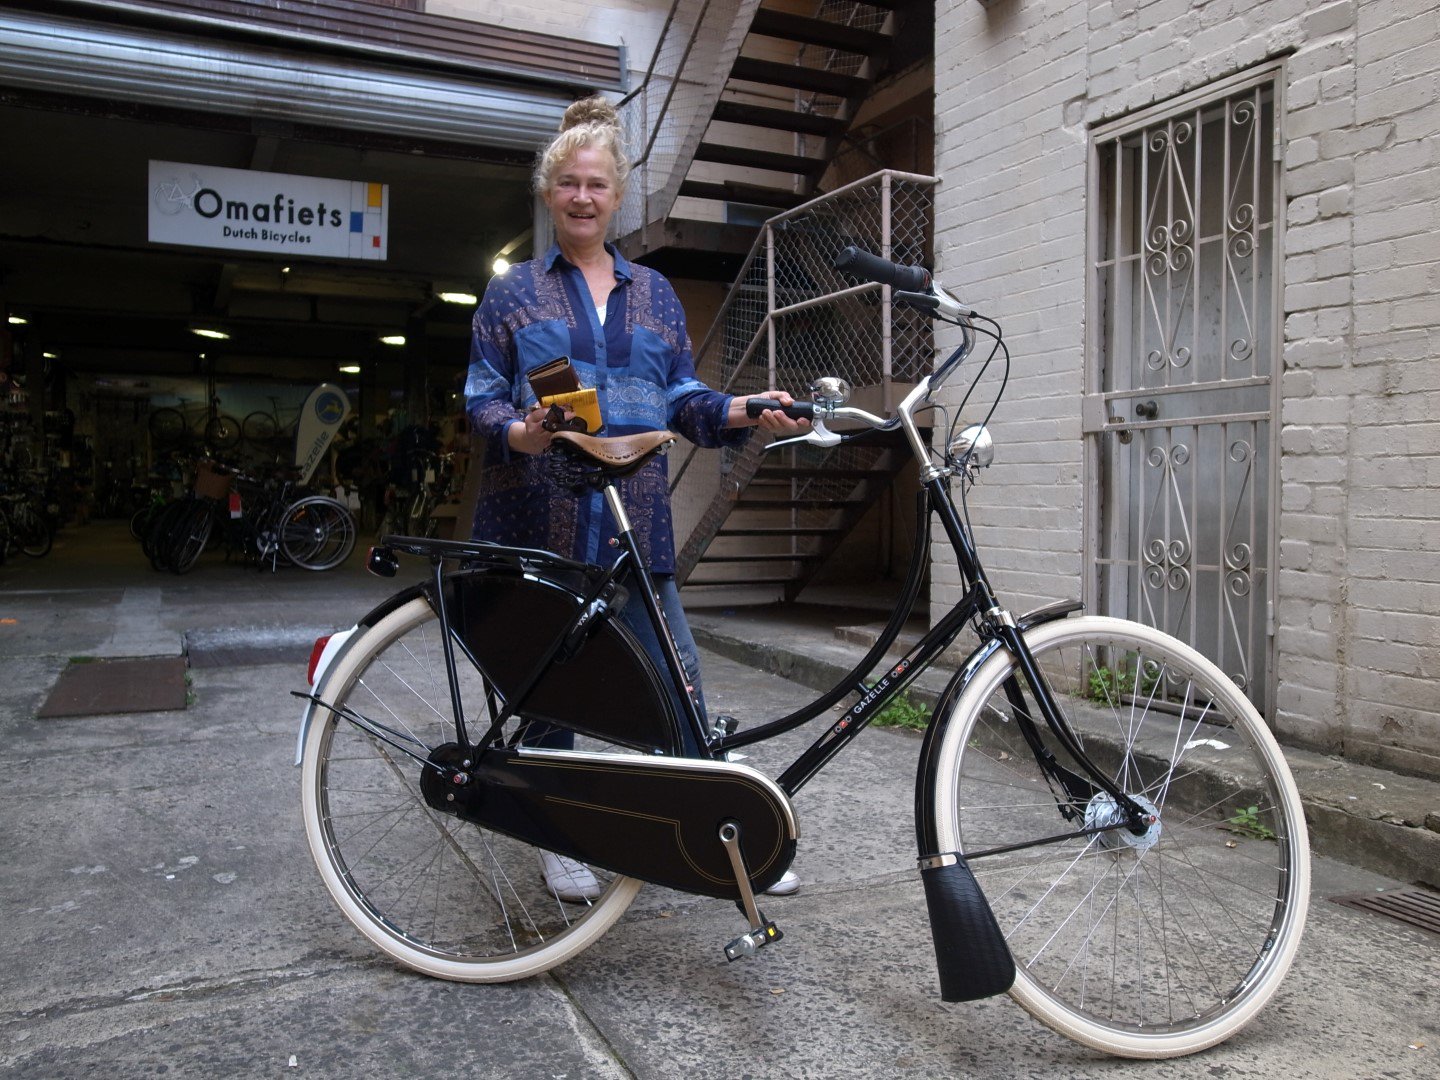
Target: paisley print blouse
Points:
(640, 364)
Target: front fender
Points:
(925, 778)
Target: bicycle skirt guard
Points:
(970, 950)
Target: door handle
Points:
(1147, 410)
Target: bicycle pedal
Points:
(751, 943)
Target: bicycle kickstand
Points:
(762, 931)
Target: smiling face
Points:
(582, 199)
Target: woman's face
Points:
(582, 197)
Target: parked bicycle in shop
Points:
(1105, 827)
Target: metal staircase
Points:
(771, 519)
(741, 114)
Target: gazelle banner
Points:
(212, 207)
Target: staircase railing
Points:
(790, 317)
(665, 117)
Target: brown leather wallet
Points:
(556, 377)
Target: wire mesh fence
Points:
(790, 318)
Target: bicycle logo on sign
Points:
(172, 195)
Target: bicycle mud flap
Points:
(649, 817)
(970, 950)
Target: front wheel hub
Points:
(1103, 812)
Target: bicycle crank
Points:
(762, 931)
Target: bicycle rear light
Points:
(315, 654)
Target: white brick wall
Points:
(1018, 84)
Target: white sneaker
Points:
(786, 886)
(569, 880)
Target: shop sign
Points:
(242, 210)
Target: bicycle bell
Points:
(973, 447)
(829, 391)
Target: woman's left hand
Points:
(771, 420)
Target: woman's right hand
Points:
(529, 436)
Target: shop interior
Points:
(125, 363)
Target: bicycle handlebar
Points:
(801, 410)
(862, 264)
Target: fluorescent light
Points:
(393, 339)
(500, 265)
(458, 297)
(51, 356)
(350, 369)
(16, 320)
(206, 332)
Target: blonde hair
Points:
(590, 121)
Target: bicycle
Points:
(23, 526)
(1105, 827)
(284, 523)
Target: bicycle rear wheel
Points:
(1149, 946)
(317, 533)
(191, 534)
(445, 897)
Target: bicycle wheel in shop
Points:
(32, 532)
(259, 427)
(438, 894)
(167, 426)
(317, 533)
(222, 432)
(159, 538)
(191, 534)
(1144, 946)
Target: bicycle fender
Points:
(970, 951)
(336, 647)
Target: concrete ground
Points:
(163, 915)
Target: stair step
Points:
(781, 557)
(748, 158)
(781, 473)
(757, 582)
(799, 78)
(744, 193)
(818, 531)
(733, 112)
(782, 24)
(795, 504)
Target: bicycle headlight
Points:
(972, 447)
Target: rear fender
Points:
(339, 644)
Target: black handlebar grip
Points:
(801, 410)
(862, 264)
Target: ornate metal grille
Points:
(1183, 344)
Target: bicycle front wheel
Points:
(1154, 945)
(317, 533)
(438, 894)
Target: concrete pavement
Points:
(163, 914)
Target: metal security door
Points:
(1182, 340)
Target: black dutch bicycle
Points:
(1105, 827)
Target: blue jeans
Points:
(635, 618)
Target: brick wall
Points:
(1018, 85)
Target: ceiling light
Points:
(393, 339)
(51, 356)
(207, 332)
(350, 369)
(16, 320)
(500, 265)
(458, 297)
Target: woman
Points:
(622, 326)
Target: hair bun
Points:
(591, 110)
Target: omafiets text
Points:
(210, 204)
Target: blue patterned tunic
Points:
(640, 364)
